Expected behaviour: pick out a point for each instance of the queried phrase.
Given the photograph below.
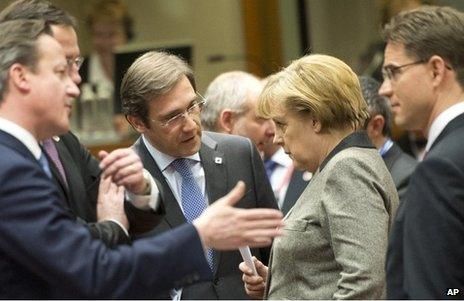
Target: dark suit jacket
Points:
(425, 254)
(240, 161)
(294, 190)
(83, 177)
(45, 254)
(401, 167)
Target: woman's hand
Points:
(254, 284)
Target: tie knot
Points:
(181, 165)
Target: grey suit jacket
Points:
(226, 159)
(335, 236)
(401, 167)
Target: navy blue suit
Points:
(45, 254)
(425, 254)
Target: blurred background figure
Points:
(110, 26)
(287, 182)
(370, 63)
(231, 101)
(335, 236)
(378, 127)
(230, 108)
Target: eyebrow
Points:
(179, 111)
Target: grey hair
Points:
(229, 90)
(18, 44)
(37, 10)
(377, 104)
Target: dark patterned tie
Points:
(193, 201)
(52, 152)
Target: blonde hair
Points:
(319, 85)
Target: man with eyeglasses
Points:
(194, 167)
(75, 171)
(424, 80)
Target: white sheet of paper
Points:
(247, 258)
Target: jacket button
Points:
(216, 281)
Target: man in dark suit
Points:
(424, 80)
(378, 127)
(44, 253)
(75, 171)
(231, 100)
(160, 101)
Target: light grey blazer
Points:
(335, 237)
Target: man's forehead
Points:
(48, 46)
(396, 52)
(67, 37)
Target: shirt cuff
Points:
(119, 224)
(149, 199)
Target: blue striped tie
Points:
(193, 201)
(44, 164)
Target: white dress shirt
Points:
(442, 120)
(22, 135)
(281, 176)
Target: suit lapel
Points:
(391, 155)
(174, 215)
(214, 163)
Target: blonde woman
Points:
(335, 236)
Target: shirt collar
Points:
(22, 135)
(281, 158)
(439, 124)
(164, 160)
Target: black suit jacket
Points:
(295, 188)
(239, 160)
(80, 197)
(45, 254)
(401, 167)
(426, 249)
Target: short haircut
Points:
(229, 90)
(37, 10)
(319, 85)
(113, 11)
(153, 74)
(377, 104)
(18, 44)
(428, 31)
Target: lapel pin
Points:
(218, 160)
(56, 138)
(307, 176)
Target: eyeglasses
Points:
(193, 110)
(391, 71)
(78, 61)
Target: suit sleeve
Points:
(434, 230)
(40, 237)
(358, 225)
(108, 232)
(264, 194)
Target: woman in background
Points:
(110, 26)
(335, 237)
